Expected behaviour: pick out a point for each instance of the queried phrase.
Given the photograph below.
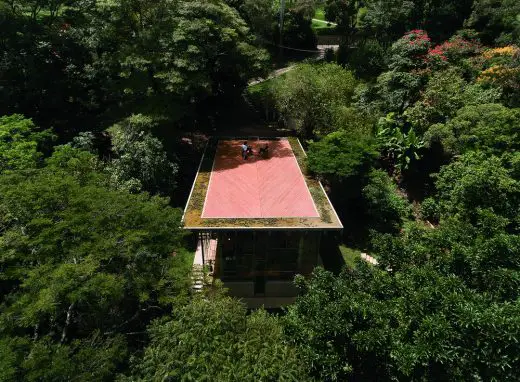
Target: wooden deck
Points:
(258, 187)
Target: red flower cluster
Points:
(417, 37)
(437, 53)
(453, 47)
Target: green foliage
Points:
(491, 128)
(368, 59)
(389, 19)
(413, 325)
(305, 8)
(19, 143)
(397, 90)
(142, 163)
(339, 156)
(400, 86)
(399, 144)
(445, 93)
(78, 258)
(160, 57)
(430, 209)
(499, 21)
(409, 51)
(80, 165)
(353, 122)
(476, 183)
(308, 96)
(214, 338)
(344, 14)
(92, 359)
(385, 207)
(261, 16)
(481, 252)
(297, 28)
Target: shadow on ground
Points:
(330, 253)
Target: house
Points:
(261, 220)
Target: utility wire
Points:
(290, 48)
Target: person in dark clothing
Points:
(244, 150)
(264, 151)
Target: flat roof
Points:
(257, 187)
(260, 192)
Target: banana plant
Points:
(401, 144)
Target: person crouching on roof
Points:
(264, 151)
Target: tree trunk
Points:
(67, 322)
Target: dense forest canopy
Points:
(412, 123)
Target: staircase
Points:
(197, 278)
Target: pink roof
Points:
(271, 187)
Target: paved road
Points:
(279, 72)
(274, 74)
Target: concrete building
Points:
(260, 220)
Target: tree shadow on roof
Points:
(229, 153)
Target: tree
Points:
(213, 338)
(340, 155)
(400, 86)
(20, 143)
(261, 17)
(388, 20)
(442, 18)
(45, 67)
(179, 53)
(464, 44)
(80, 260)
(387, 210)
(157, 57)
(305, 8)
(500, 67)
(491, 128)
(476, 183)
(345, 14)
(297, 29)
(92, 359)
(445, 93)
(497, 21)
(417, 324)
(367, 60)
(399, 142)
(308, 96)
(142, 163)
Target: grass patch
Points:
(320, 25)
(261, 87)
(261, 95)
(350, 255)
(322, 28)
(320, 14)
